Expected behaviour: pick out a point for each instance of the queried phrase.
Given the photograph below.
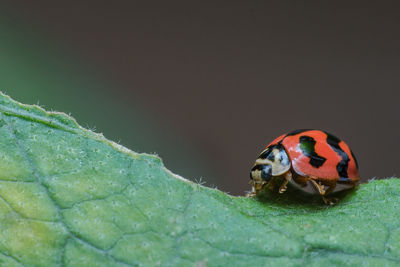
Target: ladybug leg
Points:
(319, 187)
(256, 187)
(330, 189)
(323, 193)
(253, 192)
(283, 187)
(332, 200)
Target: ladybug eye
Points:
(261, 171)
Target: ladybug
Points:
(305, 157)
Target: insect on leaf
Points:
(70, 197)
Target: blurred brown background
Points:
(207, 85)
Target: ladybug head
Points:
(261, 172)
(273, 161)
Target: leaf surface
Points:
(69, 197)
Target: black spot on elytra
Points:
(294, 133)
(307, 146)
(344, 179)
(343, 165)
(355, 159)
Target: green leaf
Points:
(69, 197)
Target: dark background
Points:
(206, 85)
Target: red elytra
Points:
(301, 163)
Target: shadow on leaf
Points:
(297, 197)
